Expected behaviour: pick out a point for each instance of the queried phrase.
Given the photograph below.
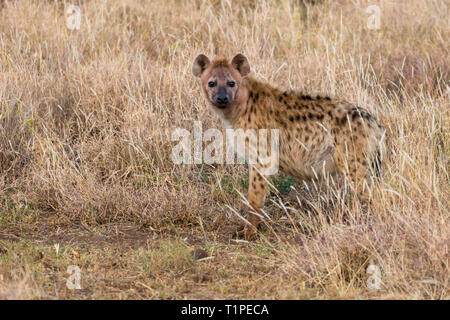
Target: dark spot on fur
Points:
(318, 106)
(306, 97)
(291, 118)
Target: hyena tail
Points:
(376, 164)
(379, 156)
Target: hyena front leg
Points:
(257, 188)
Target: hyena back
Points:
(317, 134)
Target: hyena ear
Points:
(240, 63)
(200, 64)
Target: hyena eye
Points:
(231, 83)
(211, 84)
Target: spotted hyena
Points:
(317, 134)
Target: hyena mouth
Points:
(222, 105)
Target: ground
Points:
(87, 180)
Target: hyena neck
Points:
(232, 118)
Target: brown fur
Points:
(318, 134)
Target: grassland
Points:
(86, 176)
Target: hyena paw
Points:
(246, 232)
(250, 233)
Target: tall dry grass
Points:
(87, 115)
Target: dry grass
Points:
(85, 125)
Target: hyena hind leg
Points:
(357, 168)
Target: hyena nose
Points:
(222, 99)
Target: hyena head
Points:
(220, 79)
